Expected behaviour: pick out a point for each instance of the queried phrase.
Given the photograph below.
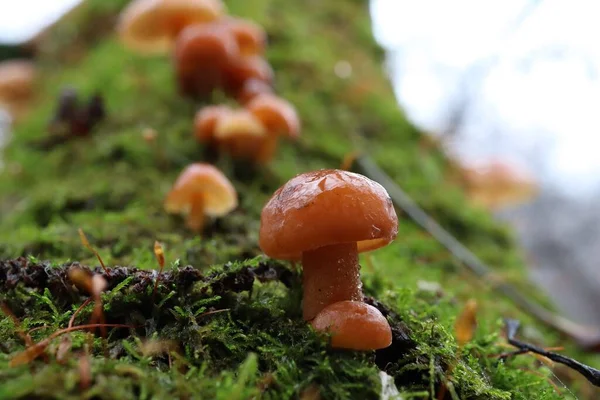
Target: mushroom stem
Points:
(195, 219)
(331, 274)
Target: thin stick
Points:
(589, 373)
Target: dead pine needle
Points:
(87, 245)
(85, 369)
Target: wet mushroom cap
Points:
(202, 55)
(200, 179)
(277, 114)
(150, 26)
(206, 119)
(354, 325)
(326, 207)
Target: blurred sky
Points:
(538, 97)
(21, 19)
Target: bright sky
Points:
(21, 19)
(544, 92)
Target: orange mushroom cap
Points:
(277, 114)
(244, 68)
(323, 208)
(206, 120)
(205, 182)
(151, 26)
(250, 36)
(354, 325)
(202, 54)
(16, 83)
(496, 183)
(252, 88)
(241, 134)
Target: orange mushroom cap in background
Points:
(200, 190)
(250, 36)
(252, 88)
(202, 55)
(354, 325)
(16, 84)
(240, 134)
(205, 121)
(496, 183)
(151, 26)
(326, 207)
(278, 115)
(244, 68)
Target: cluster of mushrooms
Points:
(323, 218)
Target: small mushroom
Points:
(325, 218)
(16, 84)
(240, 134)
(151, 26)
(251, 88)
(200, 191)
(354, 325)
(250, 36)
(496, 184)
(206, 120)
(202, 55)
(243, 68)
(278, 115)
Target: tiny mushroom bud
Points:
(16, 84)
(325, 218)
(278, 115)
(202, 55)
(201, 190)
(354, 325)
(250, 36)
(151, 26)
(206, 120)
(240, 134)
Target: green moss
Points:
(112, 185)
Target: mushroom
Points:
(354, 325)
(206, 120)
(250, 36)
(151, 26)
(251, 88)
(496, 184)
(241, 134)
(202, 55)
(278, 115)
(16, 84)
(244, 68)
(325, 218)
(201, 190)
